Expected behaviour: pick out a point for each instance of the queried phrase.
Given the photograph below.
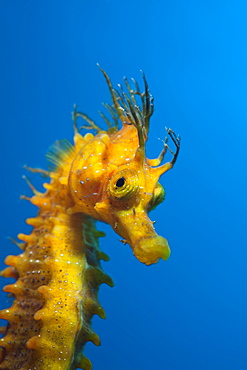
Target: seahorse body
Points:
(105, 177)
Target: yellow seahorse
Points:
(105, 177)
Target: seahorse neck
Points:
(58, 277)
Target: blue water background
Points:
(189, 313)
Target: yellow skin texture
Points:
(56, 287)
(105, 177)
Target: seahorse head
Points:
(112, 180)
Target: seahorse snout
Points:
(138, 231)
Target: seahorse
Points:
(103, 177)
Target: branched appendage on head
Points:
(112, 180)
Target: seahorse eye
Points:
(120, 182)
(123, 185)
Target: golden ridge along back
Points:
(104, 177)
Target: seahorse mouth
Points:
(149, 250)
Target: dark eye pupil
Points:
(120, 182)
